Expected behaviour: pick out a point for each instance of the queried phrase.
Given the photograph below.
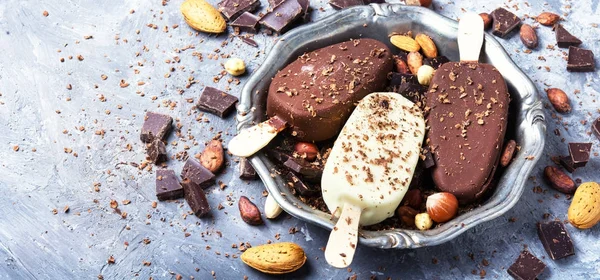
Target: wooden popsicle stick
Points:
(344, 237)
(252, 139)
(470, 37)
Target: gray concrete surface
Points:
(44, 119)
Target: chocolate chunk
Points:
(279, 155)
(596, 128)
(299, 186)
(216, 102)
(564, 39)
(247, 172)
(157, 152)
(408, 86)
(246, 22)
(435, 62)
(303, 167)
(249, 41)
(275, 3)
(428, 161)
(556, 239)
(504, 22)
(282, 16)
(567, 163)
(341, 4)
(305, 4)
(580, 60)
(233, 8)
(167, 185)
(197, 174)
(580, 153)
(155, 126)
(195, 197)
(526, 267)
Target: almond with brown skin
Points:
(407, 215)
(559, 180)
(487, 20)
(308, 151)
(414, 61)
(249, 212)
(212, 157)
(548, 18)
(528, 36)
(400, 65)
(559, 100)
(508, 153)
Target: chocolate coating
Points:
(317, 92)
(468, 119)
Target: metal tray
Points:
(378, 21)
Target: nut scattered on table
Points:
(528, 36)
(508, 153)
(423, 221)
(559, 100)
(272, 209)
(548, 18)
(405, 43)
(414, 61)
(442, 206)
(235, 66)
(425, 74)
(275, 258)
(202, 16)
(427, 45)
(559, 180)
(584, 211)
(249, 212)
(212, 156)
(400, 65)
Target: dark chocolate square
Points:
(282, 16)
(197, 174)
(216, 102)
(564, 39)
(247, 172)
(156, 151)
(596, 128)
(233, 8)
(567, 163)
(556, 239)
(580, 60)
(580, 153)
(155, 126)
(526, 267)
(504, 22)
(299, 186)
(246, 22)
(196, 198)
(167, 185)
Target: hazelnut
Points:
(442, 206)
(423, 221)
(235, 66)
(306, 150)
(425, 74)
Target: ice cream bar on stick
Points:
(254, 138)
(317, 92)
(370, 168)
(467, 120)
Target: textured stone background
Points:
(35, 113)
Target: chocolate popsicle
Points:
(468, 118)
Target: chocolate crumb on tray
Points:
(216, 102)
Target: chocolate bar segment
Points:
(596, 128)
(249, 41)
(567, 163)
(197, 174)
(341, 4)
(246, 22)
(157, 152)
(299, 186)
(580, 60)
(556, 239)
(282, 16)
(564, 39)
(580, 153)
(526, 267)
(216, 102)
(196, 198)
(233, 8)
(504, 22)
(167, 185)
(247, 172)
(155, 126)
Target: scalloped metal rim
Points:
(530, 126)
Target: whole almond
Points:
(487, 20)
(559, 180)
(508, 153)
(427, 45)
(272, 208)
(407, 215)
(400, 64)
(584, 211)
(249, 212)
(202, 16)
(559, 100)
(528, 36)
(414, 61)
(405, 43)
(212, 156)
(548, 18)
(275, 258)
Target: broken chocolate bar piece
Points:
(157, 152)
(247, 172)
(216, 102)
(596, 128)
(233, 8)
(567, 163)
(504, 22)
(299, 186)
(564, 39)
(556, 239)
(301, 166)
(580, 153)
(526, 267)
(155, 126)
(305, 4)
(428, 161)
(580, 60)
(249, 41)
(274, 3)
(197, 174)
(196, 198)
(435, 62)
(282, 16)
(341, 4)
(407, 85)
(246, 22)
(167, 185)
